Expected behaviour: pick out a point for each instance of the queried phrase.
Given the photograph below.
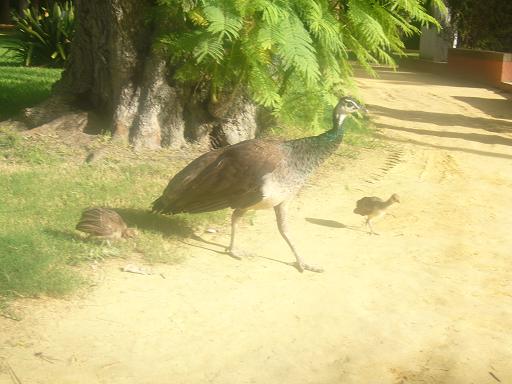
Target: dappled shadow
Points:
(145, 220)
(445, 147)
(478, 137)
(498, 108)
(443, 119)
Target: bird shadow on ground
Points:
(332, 224)
(199, 238)
(326, 223)
(207, 242)
(145, 220)
(224, 252)
(287, 263)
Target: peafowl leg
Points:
(283, 230)
(235, 219)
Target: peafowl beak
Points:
(363, 110)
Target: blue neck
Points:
(335, 134)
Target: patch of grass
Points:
(42, 202)
(8, 57)
(16, 148)
(29, 267)
(21, 87)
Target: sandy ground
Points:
(427, 301)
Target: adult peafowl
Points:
(254, 174)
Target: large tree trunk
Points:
(5, 12)
(115, 74)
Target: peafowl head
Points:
(130, 233)
(346, 106)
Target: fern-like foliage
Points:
(285, 53)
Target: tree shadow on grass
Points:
(147, 221)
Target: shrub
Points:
(45, 34)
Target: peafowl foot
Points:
(238, 254)
(307, 267)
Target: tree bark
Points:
(5, 12)
(115, 73)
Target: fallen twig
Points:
(494, 377)
(136, 269)
(45, 358)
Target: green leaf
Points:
(222, 22)
(209, 47)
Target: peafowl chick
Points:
(254, 174)
(103, 223)
(374, 208)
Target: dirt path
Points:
(427, 301)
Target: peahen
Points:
(254, 174)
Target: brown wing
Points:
(366, 205)
(229, 177)
(101, 222)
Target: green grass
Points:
(21, 87)
(43, 193)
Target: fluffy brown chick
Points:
(374, 208)
(103, 223)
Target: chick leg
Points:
(282, 225)
(369, 223)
